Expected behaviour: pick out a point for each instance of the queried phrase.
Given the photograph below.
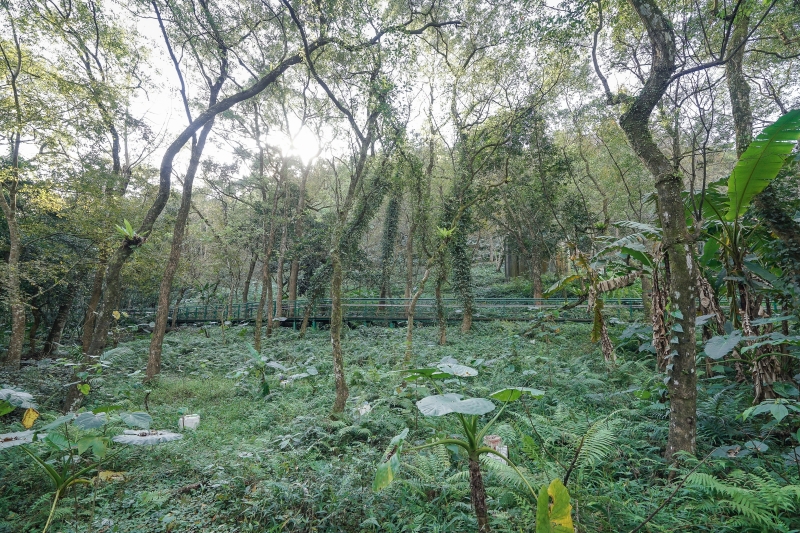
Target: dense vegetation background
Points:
(281, 158)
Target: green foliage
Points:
(275, 460)
(553, 510)
(756, 500)
(760, 163)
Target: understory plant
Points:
(553, 517)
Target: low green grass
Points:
(282, 463)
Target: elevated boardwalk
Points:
(392, 312)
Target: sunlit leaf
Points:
(442, 404)
(512, 394)
(30, 416)
(553, 509)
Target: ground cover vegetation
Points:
(418, 266)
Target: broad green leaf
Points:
(442, 404)
(730, 452)
(98, 445)
(90, 420)
(561, 284)
(553, 510)
(138, 420)
(57, 441)
(756, 445)
(461, 371)
(5, 407)
(106, 409)
(386, 471)
(512, 394)
(430, 373)
(721, 345)
(761, 162)
(58, 422)
(639, 253)
(17, 398)
(778, 411)
(703, 319)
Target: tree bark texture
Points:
(91, 309)
(178, 232)
(336, 334)
(294, 270)
(676, 245)
(478, 494)
(51, 344)
(249, 279)
(281, 260)
(178, 301)
(391, 222)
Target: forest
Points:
(399, 266)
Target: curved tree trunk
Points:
(677, 244)
(178, 232)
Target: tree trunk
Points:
(535, 267)
(57, 329)
(647, 296)
(281, 260)
(91, 309)
(677, 244)
(162, 310)
(37, 321)
(249, 279)
(336, 334)
(738, 88)
(298, 235)
(412, 307)
(441, 319)
(410, 262)
(178, 300)
(462, 275)
(391, 222)
(478, 494)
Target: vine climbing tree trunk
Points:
(391, 222)
(676, 245)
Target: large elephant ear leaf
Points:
(442, 404)
(761, 162)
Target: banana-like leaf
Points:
(561, 284)
(647, 230)
(715, 201)
(761, 162)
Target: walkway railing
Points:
(388, 310)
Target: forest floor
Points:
(280, 462)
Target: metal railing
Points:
(386, 309)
